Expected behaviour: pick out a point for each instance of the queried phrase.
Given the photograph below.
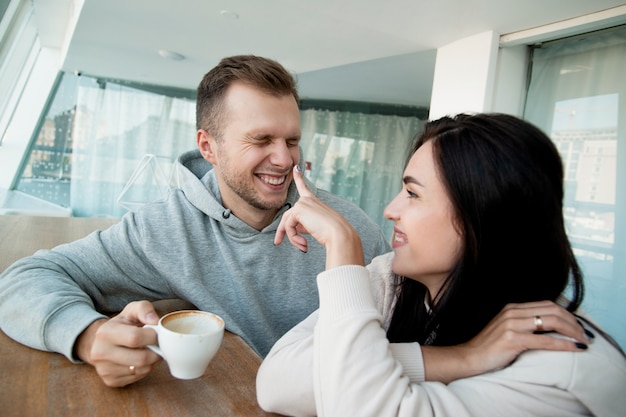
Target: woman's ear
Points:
(206, 145)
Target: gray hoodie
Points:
(188, 247)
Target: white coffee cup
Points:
(188, 340)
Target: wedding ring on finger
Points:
(131, 369)
(538, 324)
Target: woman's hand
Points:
(516, 329)
(311, 216)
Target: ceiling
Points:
(361, 50)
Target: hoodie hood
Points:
(195, 176)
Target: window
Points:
(19, 46)
(96, 133)
(360, 156)
(577, 95)
(98, 137)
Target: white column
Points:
(465, 73)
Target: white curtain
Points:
(125, 141)
(358, 156)
(577, 94)
(122, 133)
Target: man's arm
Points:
(48, 299)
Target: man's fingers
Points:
(117, 340)
(121, 357)
(139, 313)
(115, 375)
(119, 350)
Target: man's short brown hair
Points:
(264, 74)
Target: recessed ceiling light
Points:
(174, 56)
(227, 14)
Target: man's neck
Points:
(253, 217)
(250, 215)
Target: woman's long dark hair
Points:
(504, 178)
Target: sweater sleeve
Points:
(357, 372)
(354, 370)
(338, 362)
(284, 382)
(285, 378)
(49, 298)
(409, 355)
(383, 289)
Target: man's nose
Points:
(281, 154)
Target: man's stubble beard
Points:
(246, 190)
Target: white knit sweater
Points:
(338, 362)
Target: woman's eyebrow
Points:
(408, 179)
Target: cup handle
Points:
(155, 348)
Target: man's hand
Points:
(117, 347)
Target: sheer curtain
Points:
(105, 147)
(577, 94)
(358, 156)
(122, 133)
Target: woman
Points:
(478, 226)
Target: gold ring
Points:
(131, 369)
(538, 324)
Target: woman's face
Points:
(425, 242)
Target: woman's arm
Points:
(354, 371)
(284, 382)
(508, 335)
(285, 379)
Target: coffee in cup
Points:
(188, 340)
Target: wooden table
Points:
(35, 383)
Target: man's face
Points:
(258, 149)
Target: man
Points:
(209, 243)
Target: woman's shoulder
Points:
(382, 284)
(599, 355)
(381, 264)
(596, 377)
(590, 381)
